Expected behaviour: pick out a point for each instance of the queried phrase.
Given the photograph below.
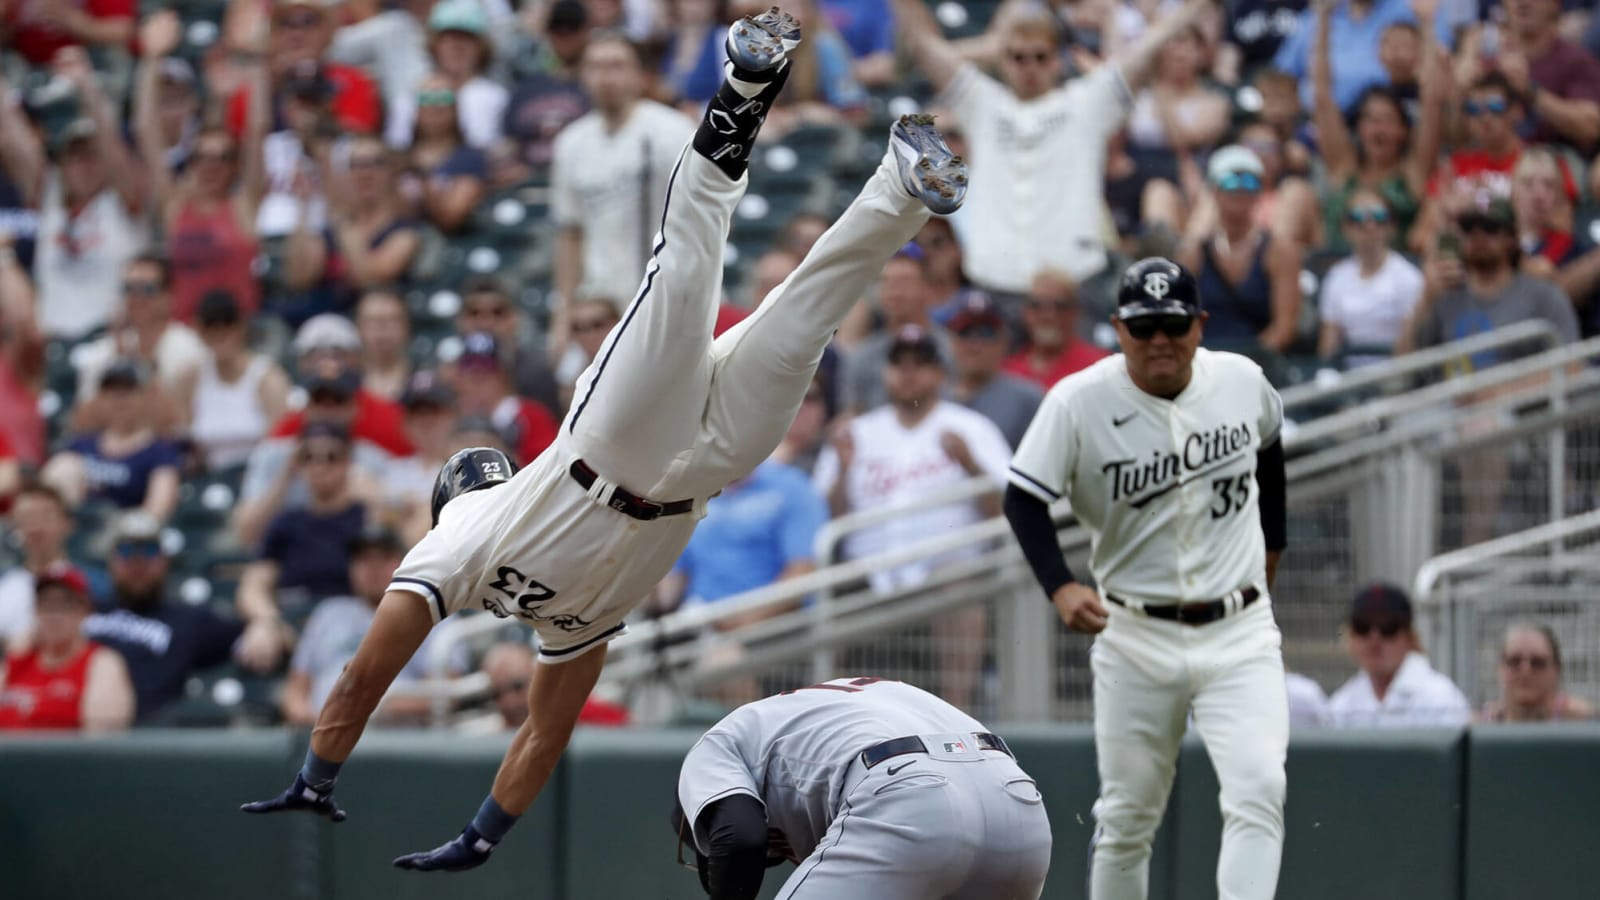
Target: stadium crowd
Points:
(264, 264)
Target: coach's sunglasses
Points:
(1145, 327)
(1362, 628)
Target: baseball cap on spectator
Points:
(124, 373)
(465, 16)
(977, 309)
(426, 389)
(174, 70)
(337, 386)
(327, 331)
(307, 81)
(81, 129)
(218, 307)
(1381, 603)
(1235, 168)
(1496, 213)
(916, 342)
(62, 574)
(567, 16)
(375, 536)
(479, 350)
(136, 533)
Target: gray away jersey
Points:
(792, 751)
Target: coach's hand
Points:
(1080, 608)
(468, 851)
(299, 797)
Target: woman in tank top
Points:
(234, 396)
(65, 680)
(1250, 279)
(209, 210)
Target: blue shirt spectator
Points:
(867, 26)
(122, 480)
(310, 548)
(695, 77)
(759, 529)
(1355, 47)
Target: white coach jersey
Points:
(792, 751)
(1166, 487)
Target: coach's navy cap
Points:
(1157, 286)
(917, 342)
(1380, 602)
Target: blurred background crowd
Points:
(264, 264)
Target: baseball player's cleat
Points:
(929, 171)
(762, 42)
(468, 851)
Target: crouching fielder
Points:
(877, 789)
(664, 418)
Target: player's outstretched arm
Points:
(401, 623)
(555, 697)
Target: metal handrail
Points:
(1418, 361)
(834, 531)
(1428, 577)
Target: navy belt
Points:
(625, 501)
(1191, 613)
(877, 753)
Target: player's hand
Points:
(1080, 608)
(300, 797)
(468, 851)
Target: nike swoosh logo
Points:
(895, 770)
(1119, 422)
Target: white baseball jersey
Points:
(895, 465)
(792, 751)
(1167, 487)
(1038, 175)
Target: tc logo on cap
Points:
(1157, 285)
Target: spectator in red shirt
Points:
(21, 360)
(301, 33)
(1560, 78)
(40, 28)
(65, 681)
(1050, 317)
(1553, 246)
(484, 387)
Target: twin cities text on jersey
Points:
(1142, 481)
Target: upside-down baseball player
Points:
(877, 790)
(1170, 456)
(664, 418)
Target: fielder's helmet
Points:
(1157, 286)
(472, 469)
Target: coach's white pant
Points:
(1147, 674)
(669, 413)
(968, 825)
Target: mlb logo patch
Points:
(955, 747)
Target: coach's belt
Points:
(626, 502)
(877, 753)
(1194, 613)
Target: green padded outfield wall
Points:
(1490, 814)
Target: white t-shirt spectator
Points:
(895, 465)
(600, 182)
(1419, 697)
(1036, 198)
(1308, 705)
(178, 350)
(1370, 311)
(78, 263)
(283, 158)
(16, 605)
(480, 108)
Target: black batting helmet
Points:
(1157, 286)
(472, 469)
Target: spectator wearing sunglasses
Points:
(145, 331)
(487, 306)
(1377, 146)
(1037, 148)
(300, 35)
(1368, 297)
(304, 554)
(1396, 687)
(1492, 113)
(509, 666)
(163, 641)
(461, 52)
(981, 341)
(1249, 277)
(127, 465)
(337, 626)
(1530, 680)
(1052, 346)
